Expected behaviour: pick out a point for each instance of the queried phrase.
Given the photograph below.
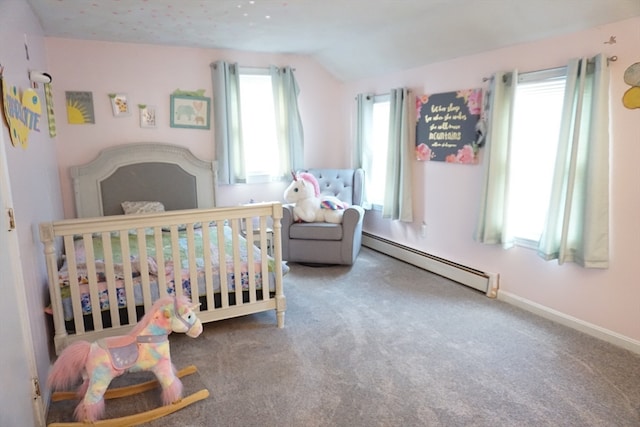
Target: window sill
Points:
(526, 243)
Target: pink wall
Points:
(148, 74)
(446, 196)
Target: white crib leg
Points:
(281, 306)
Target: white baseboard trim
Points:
(572, 322)
(489, 283)
(476, 279)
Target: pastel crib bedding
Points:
(152, 272)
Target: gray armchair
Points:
(322, 242)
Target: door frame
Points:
(12, 270)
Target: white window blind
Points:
(535, 131)
(260, 141)
(378, 150)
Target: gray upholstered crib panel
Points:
(154, 181)
(165, 173)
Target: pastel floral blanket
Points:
(174, 271)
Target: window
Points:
(534, 140)
(259, 135)
(376, 147)
(258, 128)
(575, 227)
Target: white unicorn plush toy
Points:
(310, 205)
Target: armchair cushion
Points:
(316, 231)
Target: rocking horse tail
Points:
(67, 369)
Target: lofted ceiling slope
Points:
(352, 39)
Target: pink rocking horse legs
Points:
(171, 385)
(171, 392)
(89, 412)
(91, 407)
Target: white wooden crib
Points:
(105, 269)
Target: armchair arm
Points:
(286, 222)
(352, 216)
(287, 218)
(352, 220)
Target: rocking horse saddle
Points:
(123, 350)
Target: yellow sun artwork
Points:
(631, 98)
(80, 108)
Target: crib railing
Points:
(157, 254)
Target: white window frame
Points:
(378, 143)
(540, 168)
(249, 144)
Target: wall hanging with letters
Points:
(447, 126)
(23, 113)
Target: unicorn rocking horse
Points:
(310, 205)
(145, 348)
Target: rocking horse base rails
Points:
(139, 418)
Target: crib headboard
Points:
(160, 172)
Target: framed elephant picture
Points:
(190, 112)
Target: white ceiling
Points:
(352, 39)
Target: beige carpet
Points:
(386, 344)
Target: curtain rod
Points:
(610, 59)
(373, 95)
(214, 65)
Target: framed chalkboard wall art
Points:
(446, 129)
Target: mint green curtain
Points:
(398, 203)
(228, 127)
(227, 122)
(363, 155)
(577, 225)
(493, 224)
(577, 222)
(288, 122)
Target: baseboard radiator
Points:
(476, 279)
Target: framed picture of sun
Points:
(80, 108)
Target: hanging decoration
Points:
(147, 116)
(448, 127)
(37, 77)
(23, 113)
(48, 96)
(631, 98)
(119, 104)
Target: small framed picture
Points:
(80, 108)
(119, 104)
(190, 112)
(147, 116)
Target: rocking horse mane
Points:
(146, 319)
